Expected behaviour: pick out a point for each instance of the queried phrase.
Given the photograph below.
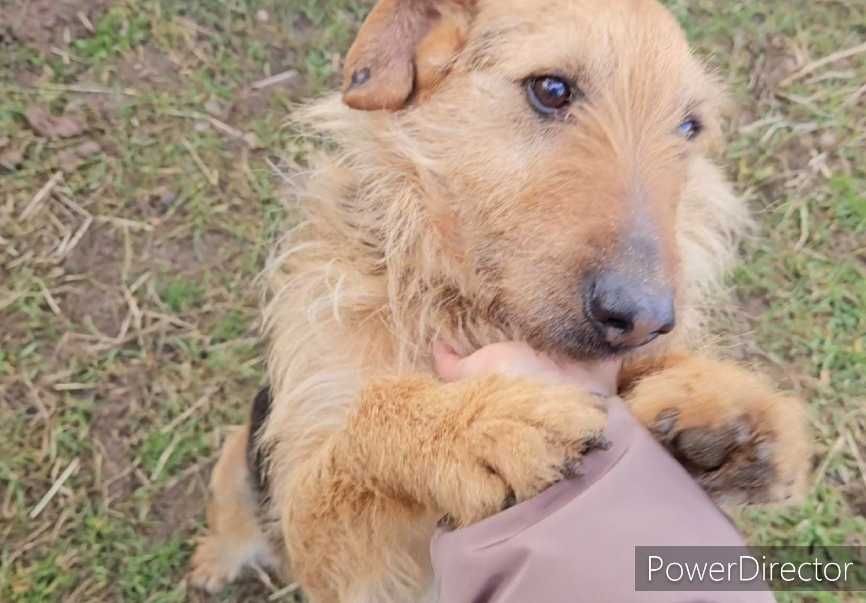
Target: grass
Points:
(127, 300)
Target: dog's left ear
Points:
(403, 47)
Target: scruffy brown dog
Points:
(495, 170)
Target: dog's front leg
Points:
(743, 440)
(415, 449)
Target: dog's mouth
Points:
(588, 344)
(586, 341)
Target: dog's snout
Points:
(629, 314)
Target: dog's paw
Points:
(741, 440)
(514, 439)
(219, 561)
(734, 462)
(212, 569)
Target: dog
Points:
(493, 170)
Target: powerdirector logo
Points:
(708, 568)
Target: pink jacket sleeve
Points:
(576, 541)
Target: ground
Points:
(144, 149)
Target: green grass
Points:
(130, 353)
(180, 295)
(118, 31)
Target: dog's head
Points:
(558, 135)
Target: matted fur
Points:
(393, 249)
(362, 284)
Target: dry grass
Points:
(140, 150)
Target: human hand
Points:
(518, 359)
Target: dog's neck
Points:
(431, 292)
(376, 219)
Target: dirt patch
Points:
(187, 256)
(102, 253)
(772, 62)
(98, 255)
(796, 153)
(148, 66)
(53, 126)
(118, 402)
(177, 509)
(157, 202)
(109, 431)
(52, 23)
(856, 497)
(251, 103)
(72, 158)
(103, 306)
(255, 99)
(16, 396)
(287, 80)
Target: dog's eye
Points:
(548, 94)
(690, 128)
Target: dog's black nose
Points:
(629, 314)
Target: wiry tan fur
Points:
(466, 218)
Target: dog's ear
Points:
(404, 46)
